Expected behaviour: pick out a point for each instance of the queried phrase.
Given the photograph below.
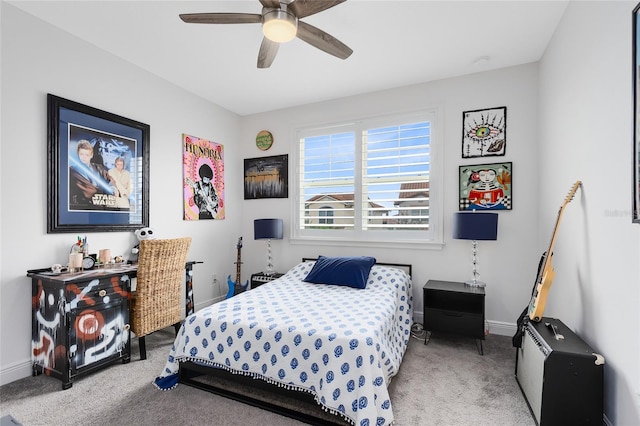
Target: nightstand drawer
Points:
(456, 301)
(456, 322)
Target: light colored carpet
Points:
(443, 383)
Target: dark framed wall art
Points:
(635, 208)
(484, 132)
(486, 187)
(97, 169)
(266, 177)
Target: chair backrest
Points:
(158, 300)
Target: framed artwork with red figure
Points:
(486, 186)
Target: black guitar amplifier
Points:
(560, 376)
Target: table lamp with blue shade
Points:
(268, 229)
(475, 226)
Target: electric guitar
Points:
(545, 268)
(237, 287)
(211, 200)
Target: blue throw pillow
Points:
(348, 271)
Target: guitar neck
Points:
(238, 263)
(566, 201)
(552, 243)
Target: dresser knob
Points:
(127, 326)
(103, 293)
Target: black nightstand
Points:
(454, 307)
(260, 278)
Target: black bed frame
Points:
(189, 371)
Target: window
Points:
(326, 215)
(368, 181)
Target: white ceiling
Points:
(395, 43)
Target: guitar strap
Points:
(523, 319)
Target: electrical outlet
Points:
(215, 279)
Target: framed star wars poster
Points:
(203, 185)
(97, 169)
(484, 132)
(486, 187)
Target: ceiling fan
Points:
(281, 22)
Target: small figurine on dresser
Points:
(141, 234)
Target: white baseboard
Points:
(16, 371)
(206, 303)
(495, 327)
(502, 328)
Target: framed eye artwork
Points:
(484, 132)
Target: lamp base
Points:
(474, 283)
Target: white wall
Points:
(585, 133)
(38, 59)
(508, 265)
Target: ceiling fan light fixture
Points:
(279, 25)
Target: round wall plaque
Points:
(264, 140)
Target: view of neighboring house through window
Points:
(325, 215)
(363, 179)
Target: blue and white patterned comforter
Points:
(341, 344)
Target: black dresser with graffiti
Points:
(80, 321)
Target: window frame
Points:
(432, 239)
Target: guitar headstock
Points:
(572, 192)
(239, 245)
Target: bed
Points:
(329, 339)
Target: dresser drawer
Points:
(96, 292)
(456, 322)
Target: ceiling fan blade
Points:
(271, 4)
(221, 18)
(302, 8)
(323, 41)
(267, 53)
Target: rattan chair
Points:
(157, 300)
